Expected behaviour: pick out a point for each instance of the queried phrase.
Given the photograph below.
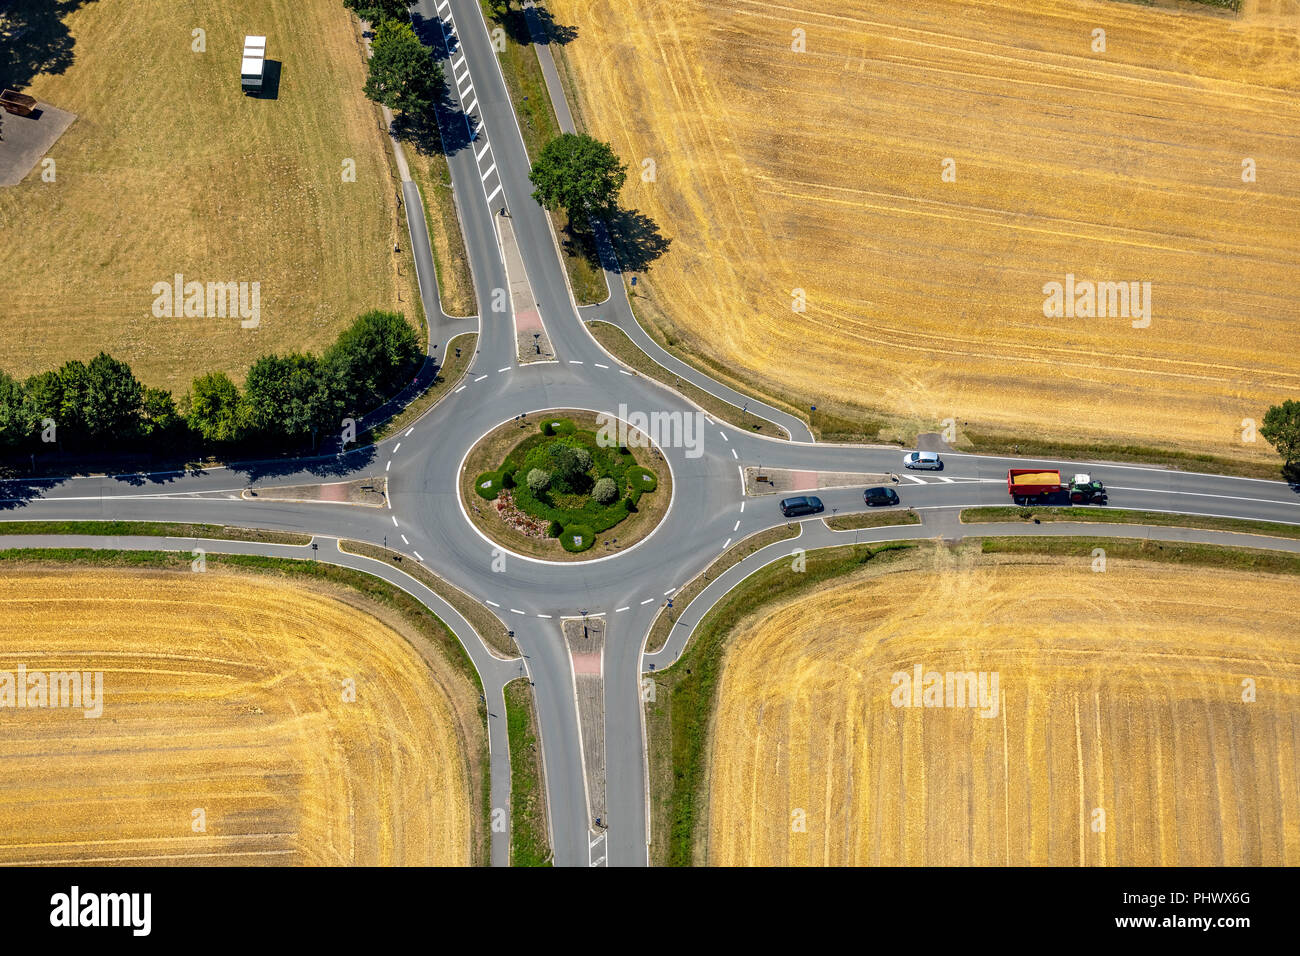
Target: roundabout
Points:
(565, 485)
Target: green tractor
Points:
(1085, 491)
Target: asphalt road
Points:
(708, 512)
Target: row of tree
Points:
(286, 398)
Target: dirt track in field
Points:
(1119, 691)
(224, 693)
(822, 171)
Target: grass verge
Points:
(661, 627)
(1137, 549)
(417, 616)
(532, 102)
(433, 176)
(1104, 515)
(165, 529)
(530, 844)
(616, 342)
(488, 626)
(679, 715)
(872, 519)
(449, 375)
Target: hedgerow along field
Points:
(226, 692)
(568, 507)
(1121, 692)
(171, 169)
(821, 171)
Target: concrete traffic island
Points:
(565, 485)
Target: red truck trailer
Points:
(1027, 485)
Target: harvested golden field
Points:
(822, 171)
(1119, 706)
(223, 693)
(170, 169)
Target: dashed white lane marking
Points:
(574, 362)
(494, 193)
(491, 169)
(407, 433)
(515, 610)
(493, 603)
(417, 555)
(389, 465)
(461, 389)
(742, 507)
(397, 448)
(617, 609)
(647, 600)
(724, 436)
(506, 369)
(598, 365)
(486, 147)
(404, 541)
(669, 591)
(480, 378)
(624, 371)
(394, 517)
(914, 479)
(709, 420)
(726, 544)
(736, 528)
(543, 615)
(734, 455)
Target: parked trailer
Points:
(19, 104)
(252, 69)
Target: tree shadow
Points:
(542, 31)
(34, 39)
(636, 238)
(449, 129)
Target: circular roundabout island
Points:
(565, 485)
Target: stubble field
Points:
(821, 171)
(223, 693)
(171, 169)
(1120, 692)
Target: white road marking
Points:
(404, 541)
(734, 455)
(480, 378)
(493, 603)
(469, 87)
(479, 126)
(724, 436)
(455, 65)
(417, 555)
(458, 75)
(489, 172)
(443, 6)
(598, 365)
(625, 371)
(470, 109)
(389, 465)
(647, 600)
(736, 528)
(506, 369)
(407, 433)
(515, 610)
(461, 389)
(914, 479)
(394, 517)
(617, 609)
(543, 615)
(947, 481)
(669, 591)
(397, 448)
(494, 193)
(574, 362)
(726, 544)
(479, 154)
(742, 507)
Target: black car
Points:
(880, 496)
(802, 505)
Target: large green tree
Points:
(212, 407)
(1281, 429)
(376, 11)
(371, 360)
(112, 399)
(283, 395)
(402, 73)
(579, 175)
(16, 419)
